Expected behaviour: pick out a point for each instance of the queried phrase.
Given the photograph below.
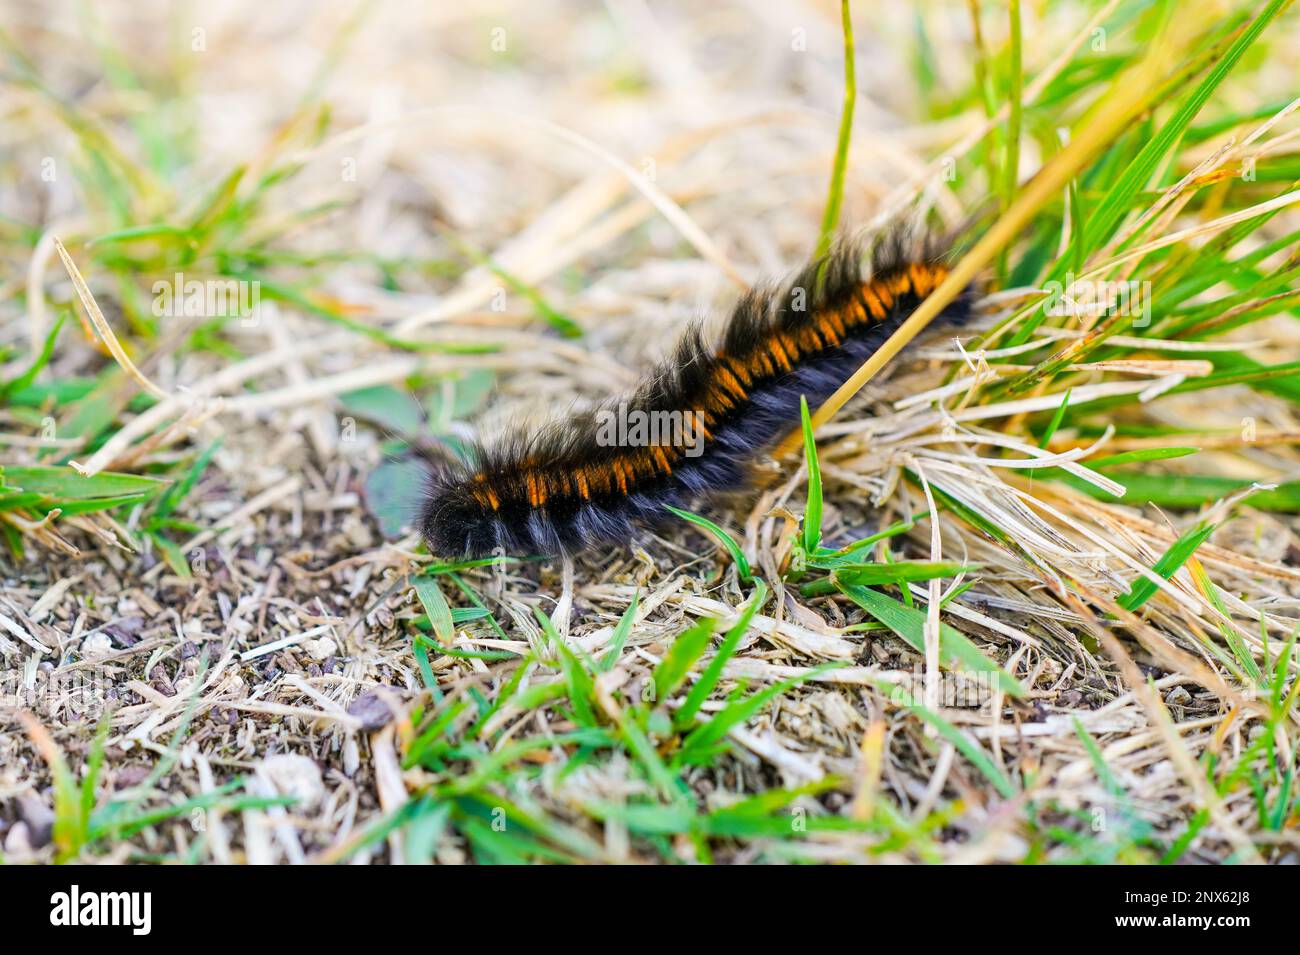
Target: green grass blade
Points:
(723, 538)
(875, 575)
(704, 686)
(582, 689)
(699, 746)
(1056, 420)
(831, 216)
(956, 651)
(619, 637)
(962, 742)
(435, 605)
(812, 517)
(1168, 564)
(681, 656)
(1142, 454)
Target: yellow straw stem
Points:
(1129, 96)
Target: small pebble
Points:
(351, 756)
(294, 775)
(125, 632)
(97, 645)
(321, 649)
(161, 682)
(38, 817)
(129, 776)
(373, 712)
(17, 841)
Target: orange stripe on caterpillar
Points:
(884, 294)
(779, 354)
(874, 304)
(810, 339)
(662, 459)
(536, 496)
(730, 382)
(836, 322)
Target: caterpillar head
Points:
(457, 519)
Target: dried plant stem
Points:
(1106, 121)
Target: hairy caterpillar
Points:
(579, 482)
